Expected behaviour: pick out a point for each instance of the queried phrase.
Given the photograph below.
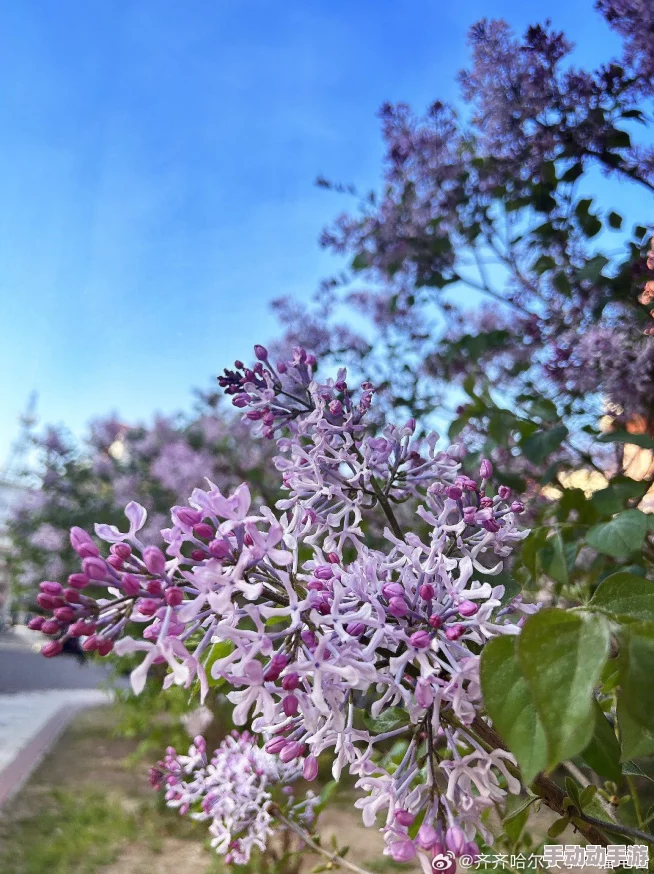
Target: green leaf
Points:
(621, 536)
(621, 489)
(642, 440)
(603, 752)
(637, 676)
(634, 770)
(636, 740)
(625, 596)
(573, 791)
(561, 655)
(512, 587)
(558, 827)
(386, 721)
(515, 820)
(542, 443)
(557, 566)
(587, 795)
(360, 261)
(509, 703)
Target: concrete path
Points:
(38, 698)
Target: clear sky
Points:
(157, 162)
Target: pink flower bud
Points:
(276, 745)
(310, 768)
(64, 614)
(290, 705)
(78, 581)
(468, 608)
(105, 646)
(420, 639)
(454, 632)
(95, 568)
(122, 550)
(204, 531)
(291, 682)
(81, 542)
(187, 516)
(486, 469)
(454, 492)
(198, 554)
(426, 837)
(130, 585)
(392, 590)
(155, 588)
(46, 602)
(90, 644)
(50, 626)
(397, 607)
(53, 648)
(49, 588)
(323, 572)
(261, 352)
(404, 817)
(356, 629)
(219, 548)
(115, 562)
(504, 493)
(402, 851)
(291, 751)
(148, 606)
(154, 560)
(72, 596)
(174, 596)
(310, 639)
(333, 558)
(36, 623)
(426, 592)
(77, 629)
(517, 507)
(455, 840)
(435, 621)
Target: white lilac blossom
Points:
(312, 620)
(239, 791)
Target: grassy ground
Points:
(89, 810)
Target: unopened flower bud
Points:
(187, 516)
(174, 596)
(64, 614)
(261, 352)
(310, 768)
(95, 568)
(53, 648)
(276, 745)
(203, 530)
(51, 588)
(397, 607)
(486, 469)
(154, 560)
(504, 493)
(404, 817)
(105, 646)
(290, 705)
(454, 632)
(130, 585)
(468, 608)
(290, 682)
(420, 639)
(50, 626)
(356, 629)
(78, 581)
(426, 592)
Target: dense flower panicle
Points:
(309, 620)
(238, 790)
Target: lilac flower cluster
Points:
(330, 639)
(239, 790)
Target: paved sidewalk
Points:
(30, 723)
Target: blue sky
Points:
(157, 162)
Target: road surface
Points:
(23, 669)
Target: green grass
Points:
(73, 831)
(77, 832)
